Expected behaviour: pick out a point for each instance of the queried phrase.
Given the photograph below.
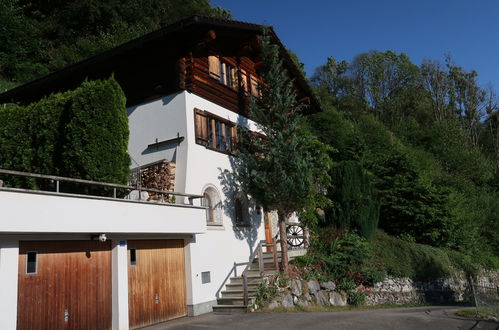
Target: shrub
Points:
(356, 298)
(81, 134)
(335, 255)
(265, 293)
(422, 262)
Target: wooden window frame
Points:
(224, 71)
(206, 132)
(254, 82)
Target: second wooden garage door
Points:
(156, 281)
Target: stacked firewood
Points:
(159, 176)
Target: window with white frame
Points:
(211, 200)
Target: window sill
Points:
(215, 226)
(228, 153)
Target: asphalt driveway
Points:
(417, 318)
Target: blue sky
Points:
(468, 30)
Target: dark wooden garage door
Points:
(64, 285)
(156, 281)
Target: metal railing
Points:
(486, 299)
(56, 180)
(258, 253)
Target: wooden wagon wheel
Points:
(295, 235)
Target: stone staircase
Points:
(232, 298)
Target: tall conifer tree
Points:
(276, 170)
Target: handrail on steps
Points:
(258, 252)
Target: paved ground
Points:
(417, 318)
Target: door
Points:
(156, 281)
(64, 285)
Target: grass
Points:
(401, 258)
(473, 313)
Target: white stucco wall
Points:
(39, 213)
(197, 167)
(218, 249)
(155, 121)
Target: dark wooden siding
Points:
(159, 272)
(71, 275)
(211, 89)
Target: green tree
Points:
(37, 37)
(278, 168)
(378, 75)
(355, 202)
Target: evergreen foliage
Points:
(80, 134)
(355, 201)
(277, 169)
(97, 133)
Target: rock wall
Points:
(305, 293)
(392, 290)
(456, 288)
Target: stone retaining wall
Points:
(392, 290)
(305, 293)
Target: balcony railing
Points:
(95, 189)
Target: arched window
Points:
(241, 209)
(214, 206)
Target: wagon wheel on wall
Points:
(295, 235)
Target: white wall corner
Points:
(120, 285)
(188, 270)
(9, 263)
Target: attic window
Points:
(254, 86)
(244, 81)
(214, 64)
(224, 72)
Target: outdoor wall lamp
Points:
(101, 238)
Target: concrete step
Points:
(253, 279)
(266, 266)
(239, 286)
(238, 293)
(229, 309)
(239, 300)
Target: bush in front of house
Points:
(335, 255)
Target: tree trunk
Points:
(284, 241)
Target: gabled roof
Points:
(171, 40)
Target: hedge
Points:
(81, 134)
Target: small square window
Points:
(31, 257)
(133, 257)
(205, 277)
